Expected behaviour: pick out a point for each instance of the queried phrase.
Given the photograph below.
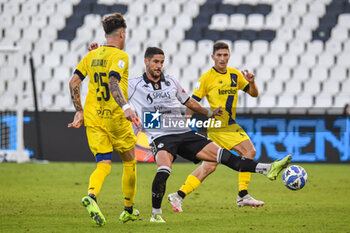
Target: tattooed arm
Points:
(74, 85)
(119, 98)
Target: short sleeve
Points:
(119, 65)
(200, 90)
(81, 69)
(243, 84)
(181, 94)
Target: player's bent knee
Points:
(209, 167)
(251, 154)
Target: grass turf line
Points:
(46, 198)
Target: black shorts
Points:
(187, 145)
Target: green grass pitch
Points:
(46, 198)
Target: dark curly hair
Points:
(113, 22)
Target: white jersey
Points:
(158, 105)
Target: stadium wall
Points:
(310, 138)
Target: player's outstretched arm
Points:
(119, 98)
(193, 105)
(253, 88)
(75, 94)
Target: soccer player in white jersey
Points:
(160, 96)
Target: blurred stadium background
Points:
(299, 50)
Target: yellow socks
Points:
(129, 182)
(243, 180)
(191, 184)
(97, 178)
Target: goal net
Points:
(11, 108)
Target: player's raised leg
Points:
(245, 149)
(164, 162)
(212, 152)
(129, 186)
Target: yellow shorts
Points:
(228, 138)
(104, 141)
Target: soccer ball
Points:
(294, 177)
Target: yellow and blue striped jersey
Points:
(221, 89)
(100, 108)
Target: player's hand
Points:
(131, 116)
(78, 120)
(93, 46)
(250, 77)
(217, 112)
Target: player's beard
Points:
(154, 75)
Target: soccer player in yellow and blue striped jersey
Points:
(107, 116)
(220, 85)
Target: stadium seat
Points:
(266, 102)
(311, 87)
(180, 60)
(62, 73)
(176, 34)
(219, 22)
(326, 60)
(282, 73)
(307, 59)
(278, 47)
(12, 7)
(340, 33)
(165, 21)
(304, 101)
(341, 100)
(299, 8)
(301, 73)
(315, 47)
(183, 21)
(237, 22)
(323, 100)
(154, 9)
(187, 47)
(236, 60)
(190, 74)
(252, 60)
(292, 20)
(330, 87)
(338, 73)
(62, 102)
(172, 8)
(198, 59)
(274, 87)
(280, 8)
(260, 47)
(255, 21)
(157, 35)
(191, 8)
(49, 33)
(285, 34)
(296, 47)
(273, 21)
(271, 60)
(343, 59)
(289, 60)
(251, 103)
(263, 73)
(241, 47)
(285, 102)
(319, 73)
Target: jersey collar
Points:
(155, 85)
(219, 71)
